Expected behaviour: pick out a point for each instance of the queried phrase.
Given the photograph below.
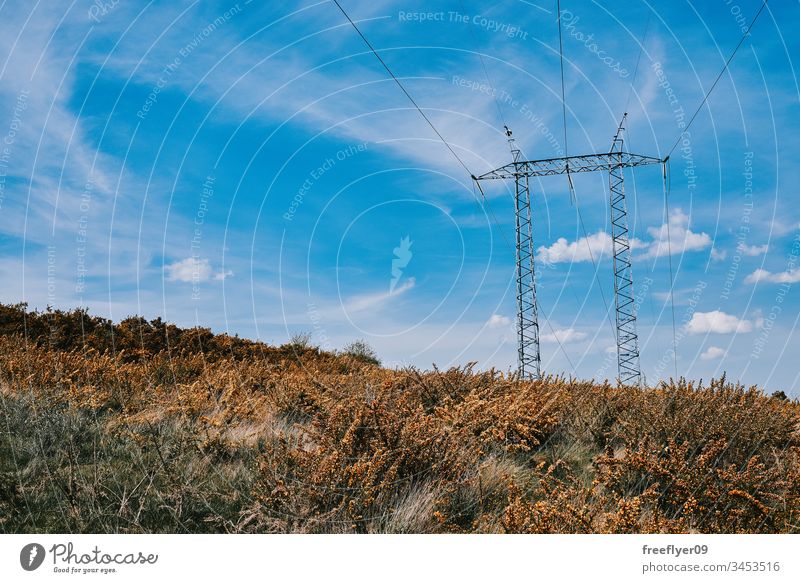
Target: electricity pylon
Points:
(521, 171)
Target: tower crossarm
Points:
(569, 164)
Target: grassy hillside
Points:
(144, 427)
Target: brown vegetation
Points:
(144, 427)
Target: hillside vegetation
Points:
(144, 427)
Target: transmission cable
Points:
(714, 84)
(485, 69)
(491, 211)
(502, 121)
(667, 181)
(667, 188)
(564, 100)
(563, 91)
(573, 194)
(402, 88)
(638, 61)
(539, 309)
(555, 337)
(640, 222)
(494, 218)
(594, 265)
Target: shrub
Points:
(172, 430)
(360, 350)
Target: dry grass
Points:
(140, 427)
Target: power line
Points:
(640, 222)
(667, 182)
(563, 92)
(486, 200)
(557, 339)
(502, 119)
(493, 216)
(594, 265)
(638, 60)
(456, 156)
(402, 88)
(667, 188)
(573, 194)
(724, 68)
(485, 70)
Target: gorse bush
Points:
(144, 427)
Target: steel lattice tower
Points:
(628, 366)
(613, 162)
(528, 356)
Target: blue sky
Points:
(250, 167)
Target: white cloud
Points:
(498, 321)
(759, 275)
(678, 238)
(188, 270)
(194, 270)
(717, 255)
(713, 353)
(583, 249)
(752, 250)
(717, 322)
(564, 336)
(675, 237)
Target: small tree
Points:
(300, 340)
(362, 351)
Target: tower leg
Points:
(627, 339)
(528, 356)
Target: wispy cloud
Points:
(498, 321)
(194, 269)
(718, 254)
(762, 275)
(307, 77)
(752, 250)
(564, 336)
(374, 301)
